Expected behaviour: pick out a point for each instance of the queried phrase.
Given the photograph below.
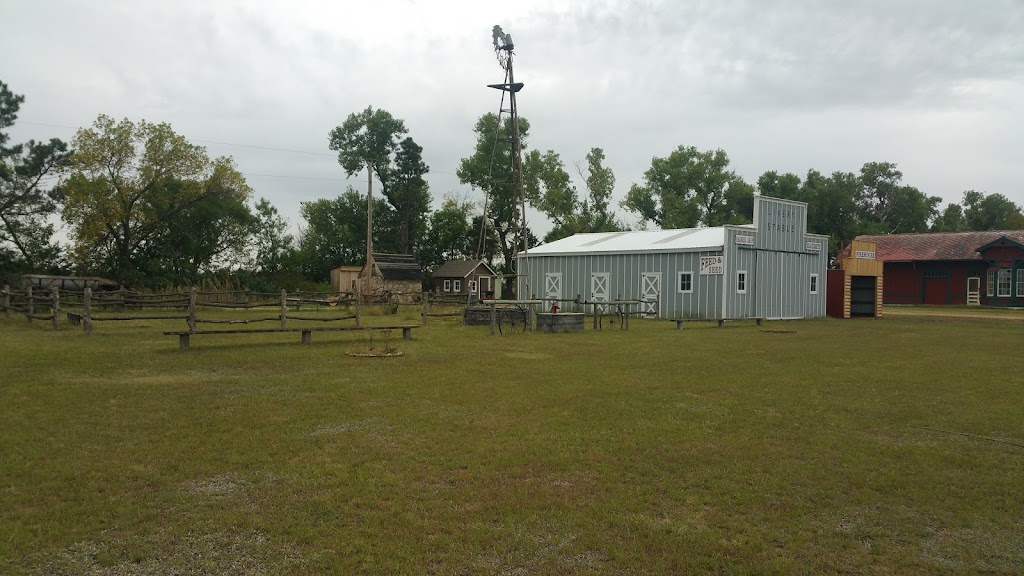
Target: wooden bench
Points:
(307, 333)
(721, 321)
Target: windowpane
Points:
(447, 285)
(1004, 282)
(456, 286)
(1020, 282)
(741, 282)
(990, 283)
(686, 281)
(814, 283)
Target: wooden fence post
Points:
(7, 300)
(192, 309)
(56, 308)
(494, 318)
(87, 310)
(426, 296)
(31, 304)
(359, 318)
(284, 309)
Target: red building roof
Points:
(937, 245)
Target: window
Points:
(814, 283)
(686, 282)
(447, 285)
(990, 283)
(1004, 283)
(741, 281)
(1020, 282)
(456, 286)
(472, 286)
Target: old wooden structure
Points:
(964, 268)
(855, 288)
(397, 275)
(465, 278)
(770, 269)
(345, 278)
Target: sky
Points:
(935, 86)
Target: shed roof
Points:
(679, 240)
(460, 268)
(937, 245)
(398, 266)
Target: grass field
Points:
(870, 446)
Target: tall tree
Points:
(492, 167)
(273, 249)
(335, 232)
(409, 195)
(833, 206)
(685, 189)
(131, 189)
(26, 198)
(600, 183)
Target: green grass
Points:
(732, 451)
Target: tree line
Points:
(147, 208)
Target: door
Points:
(552, 289)
(974, 291)
(936, 288)
(599, 289)
(650, 291)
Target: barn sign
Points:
(864, 255)
(712, 265)
(743, 240)
(812, 246)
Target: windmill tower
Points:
(504, 50)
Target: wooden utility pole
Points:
(369, 226)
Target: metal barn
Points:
(771, 269)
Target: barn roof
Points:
(680, 240)
(937, 245)
(398, 266)
(459, 268)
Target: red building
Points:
(953, 267)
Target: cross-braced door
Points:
(650, 291)
(552, 288)
(599, 289)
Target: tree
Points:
(450, 235)
(786, 186)
(685, 189)
(890, 207)
(335, 232)
(833, 206)
(273, 248)
(410, 195)
(26, 198)
(371, 139)
(492, 167)
(137, 191)
(991, 212)
(950, 220)
(600, 183)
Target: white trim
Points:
(657, 305)
(746, 278)
(1020, 282)
(447, 285)
(814, 283)
(990, 283)
(679, 282)
(472, 287)
(456, 286)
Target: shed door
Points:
(552, 288)
(936, 288)
(650, 290)
(599, 288)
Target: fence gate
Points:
(599, 289)
(650, 290)
(552, 289)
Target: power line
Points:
(254, 146)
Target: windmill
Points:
(504, 51)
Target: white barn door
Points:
(552, 289)
(599, 288)
(650, 290)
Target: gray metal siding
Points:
(625, 272)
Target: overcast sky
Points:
(936, 86)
